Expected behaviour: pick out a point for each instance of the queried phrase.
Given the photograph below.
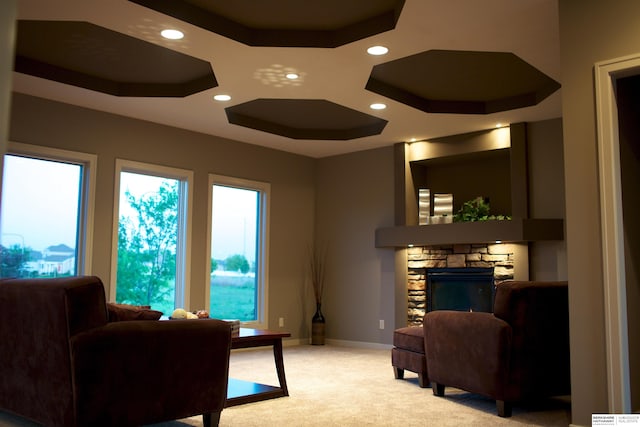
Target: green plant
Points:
(237, 262)
(147, 247)
(477, 209)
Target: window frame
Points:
(262, 261)
(185, 210)
(86, 204)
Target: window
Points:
(151, 236)
(47, 212)
(238, 232)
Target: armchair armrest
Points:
(136, 372)
(468, 350)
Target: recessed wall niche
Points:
(467, 166)
(467, 176)
(502, 155)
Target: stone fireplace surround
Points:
(500, 256)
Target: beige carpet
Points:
(340, 386)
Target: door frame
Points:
(612, 228)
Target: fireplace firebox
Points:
(462, 289)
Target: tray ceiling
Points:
(452, 68)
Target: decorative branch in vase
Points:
(317, 264)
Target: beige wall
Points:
(590, 31)
(41, 122)
(354, 197)
(548, 260)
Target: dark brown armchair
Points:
(63, 364)
(520, 351)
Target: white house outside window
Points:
(47, 212)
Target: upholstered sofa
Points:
(518, 352)
(63, 363)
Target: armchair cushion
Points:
(409, 338)
(124, 312)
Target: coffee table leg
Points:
(277, 354)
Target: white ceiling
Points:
(527, 28)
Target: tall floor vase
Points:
(317, 327)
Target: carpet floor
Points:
(345, 386)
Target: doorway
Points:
(628, 91)
(618, 106)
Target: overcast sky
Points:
(234, 223)
(38, 211)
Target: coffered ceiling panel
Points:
(286, 23)
(305, 119)
(92, 57)
(462, 82)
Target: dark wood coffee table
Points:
(240, 392)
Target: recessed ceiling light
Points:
(172, 34)
(292, 76)
(222, 97)
(377, 50)
(377, 106)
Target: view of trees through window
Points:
(147, 241)
(234, 253)
(40, 216)
(42, 221)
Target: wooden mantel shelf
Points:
(515, 230)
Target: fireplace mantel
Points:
(514, 230)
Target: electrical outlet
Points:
(381, 323)
(281, 322)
